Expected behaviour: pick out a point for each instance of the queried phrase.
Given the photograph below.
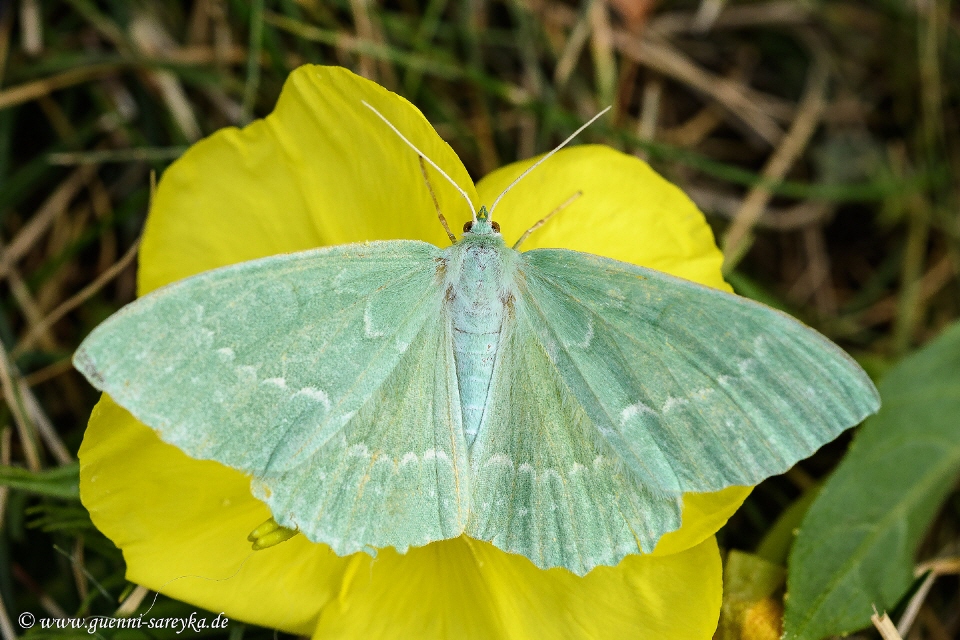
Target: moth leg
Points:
(443, 221)
(544, 219)
(270, 534)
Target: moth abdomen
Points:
(477, 312)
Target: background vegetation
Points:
(821, 138)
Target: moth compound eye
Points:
(467, 226)
(496, 226)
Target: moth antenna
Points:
(544, 158)
(544, 219)
(473, 211)
(443, 221)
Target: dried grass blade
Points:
(76, 300)
(48, 212)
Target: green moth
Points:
(554, 403)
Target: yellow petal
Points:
(463, 588)
(182, 525)
(703, 514)
(627, 212)
(322, 169)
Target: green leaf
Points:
(62, 482)
(856, 546)
(777, 542)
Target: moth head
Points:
(483, 225)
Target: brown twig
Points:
(913, 607)
(775, 218)
(6, 437)
(735, 16)
(45, 86)
(757, 110)
(6, 25)
(816, 279)
(649, 111)
(25, 427)
(6, 627)
(31, 311)
(695, 129)
(29, 416)
(131, 602)
(936, 630)
(935, 279)
(41, 220)
(150, 37)
(49, 372)
(745, 104)
(76, 300)
(48, 604)
(31, 28)
(939, 566)
(100, 156)
(601, 48)
(885, 626)
(198, 24)
(43, 425)
(79, 577)
(369, 30)
(707, 13)
(809, 112)
(572, 50)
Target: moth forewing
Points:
(325, 374)
(710, 389)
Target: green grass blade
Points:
(62, 482)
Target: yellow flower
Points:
(323, 170)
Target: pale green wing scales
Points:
(400, 460)
(544, 483)
(694, 389)
(282, 368)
